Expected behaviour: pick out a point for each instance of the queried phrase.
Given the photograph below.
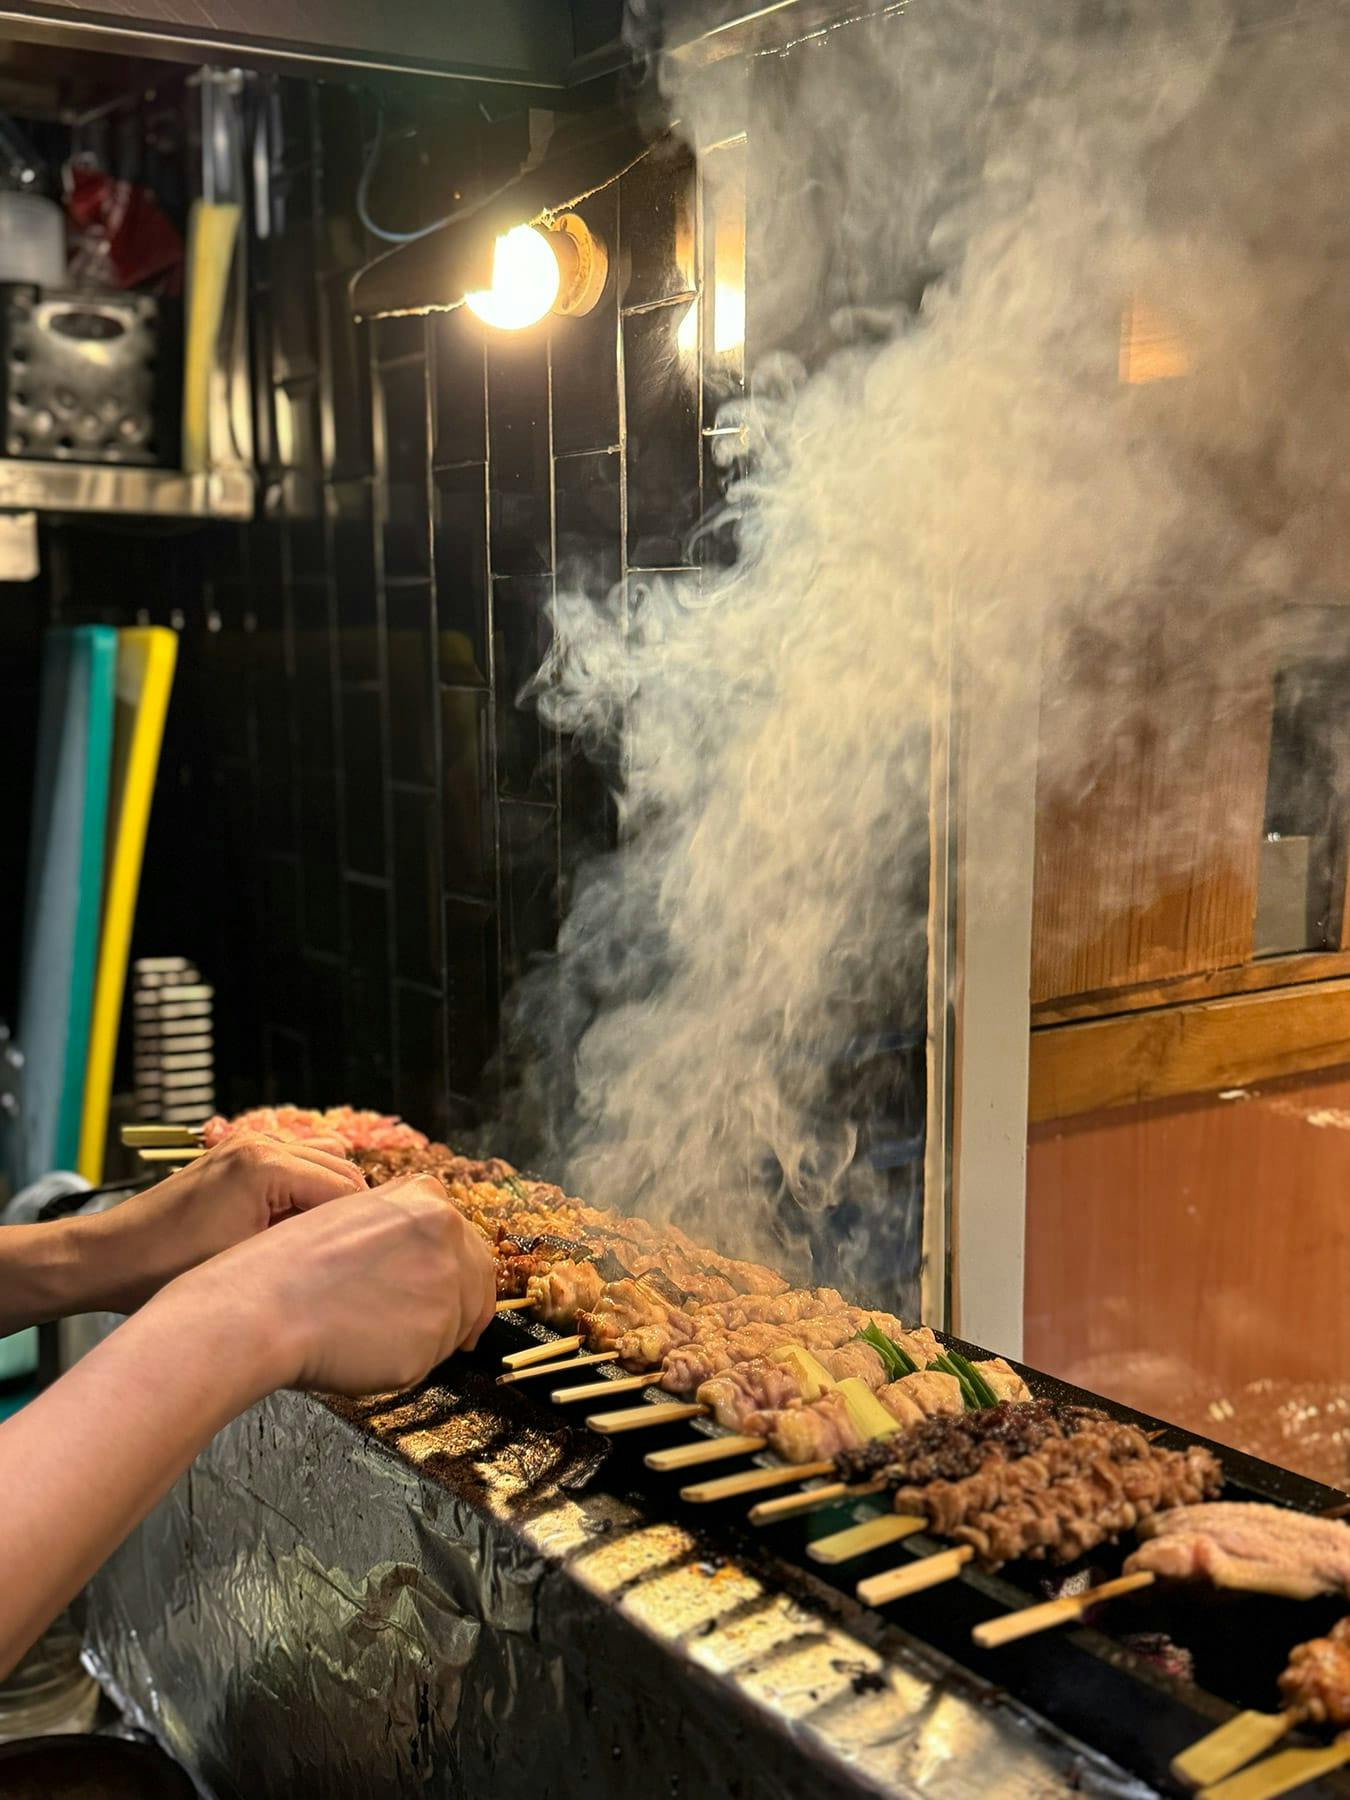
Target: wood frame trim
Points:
(1248, 978)
(1191, 1049)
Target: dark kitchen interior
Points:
(365, 835)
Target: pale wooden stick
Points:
(505, 1306)
(159, 1137)
(637, 1418)
(843, 1546)
(1218, 1753)
(596, 1390)
(537, 1353)
(807, 1501)
(1031, 1619)
(749, 1481)
(910, 1578)
(1278, 1774)
(185, 1155)
(689, 1456)
(535, 1370)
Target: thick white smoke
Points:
(1029, 172)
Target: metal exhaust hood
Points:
(547, 45)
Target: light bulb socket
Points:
(583, 263)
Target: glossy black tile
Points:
(661, 397)
(466, 792)
(526, 755)
(313, 678)
(403, 455)
(363, 780)
(588, 527)
(369, 1032)
(324, 1007)
(459, 377)
(321, 870)
(423, 1077)
(657, 245)
(518, 453)
(411, 660)
(470, 990)
(529, 886)
(351, 515)
(345, 389)
(461, 540)
(584, 351)
(417, 886)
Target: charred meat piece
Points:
(1240, 1544)
(949, 1449)
(1316, 1685)
(1076, 1512)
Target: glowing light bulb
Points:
(525, 280)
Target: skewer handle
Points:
(912, 1578)
(505, 1306)
(1031, 1619)
(535, 1370)
(807, 1501)
(637, 1418)
(749, 1481)
(594, 1390)
(1218, 1753)
(538, 1353)
(843, 1546)
(689, 1456)
(159, 1137)
(1278, 1774)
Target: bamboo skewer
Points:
(768, 1511)
(1030, 1619)
(595, 1390)
(506, 1306)
(749, 1481)
(187, 1153)
(160, 1137)
(911, 1578)
(537, 1353)
(637, 1418)
(557, 1368)
(843, 1546)
(1279, 1774)
(1218, 1753)
(689, 1456)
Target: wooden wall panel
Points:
(1147, 837)
(1179, 1250)
(1192, 1049)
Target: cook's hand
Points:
(362, 1296)
(232, 1193)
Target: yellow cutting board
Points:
(145, 665)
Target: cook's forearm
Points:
(82, 1464)
(41, 1274)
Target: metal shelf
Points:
(109, 488)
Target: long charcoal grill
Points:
(467, 1585)
(1086, 1679)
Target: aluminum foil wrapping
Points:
(437, 1595)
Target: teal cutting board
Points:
(64, 895)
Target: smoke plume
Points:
(956, 206)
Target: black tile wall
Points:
(363, 830)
